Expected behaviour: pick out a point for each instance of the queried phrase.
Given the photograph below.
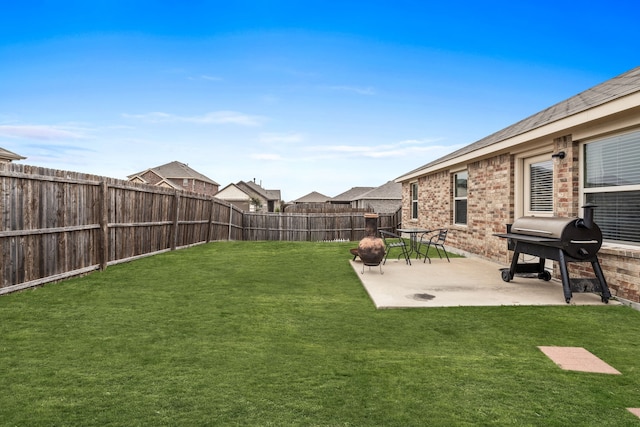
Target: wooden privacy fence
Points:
(57, 224)
(311, 226)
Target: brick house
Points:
(250, 196)
(178, 176)
(386, 198)
(585, 149)
(348, 198)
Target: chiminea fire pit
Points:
(371, 247)
(560, 239)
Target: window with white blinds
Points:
(612, 181)
(541, 186)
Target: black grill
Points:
(560, 239)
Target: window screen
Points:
(612, 181)
(613, 162)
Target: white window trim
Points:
(526, 186)
(519, 172)
(454, 198)
(411, 201)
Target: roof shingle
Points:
(617, 87)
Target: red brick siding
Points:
(567, 176)
(196, 186)
(490, 204)
(621, 271)
(151, 178)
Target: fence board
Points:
(310, 226)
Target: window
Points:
(414, 200)
(539, 185)
(612, 181)
(460, 198)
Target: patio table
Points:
(414, 246)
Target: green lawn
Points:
(283, 334)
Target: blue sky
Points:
(300, 95)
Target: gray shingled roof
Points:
(622, 85)
(274, 195)
(390, 190)
(256, 188)
(177, 170)
(313, 197)
(351, 194)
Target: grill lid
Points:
(551, 227)
(570, 234)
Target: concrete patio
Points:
(462, 282)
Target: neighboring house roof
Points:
(618, 87)
(390, 190)
(313, 197)
(350, 195)
(174, 170)
(9, 155)
(232, 193)
(252, 186)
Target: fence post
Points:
(210, 224)
(104, 225)
(176, 213)
(230, 222)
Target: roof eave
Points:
(559, 127)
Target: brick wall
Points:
(151, 178)
(490, 205)
(195, 186)
(192, 185)
(566, 177)
(620, 269)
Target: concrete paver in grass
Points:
(634, 411)
(577, 359)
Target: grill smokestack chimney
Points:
(587, 221)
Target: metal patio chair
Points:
(436, 240)
(392, 241)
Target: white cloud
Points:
(41, 132)
(406, 148)
(215, 117)
(281, 137)
(155, 117)
(355, 89)
(211, 78)
(266, 156)
(207, 77)
(343, 148)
